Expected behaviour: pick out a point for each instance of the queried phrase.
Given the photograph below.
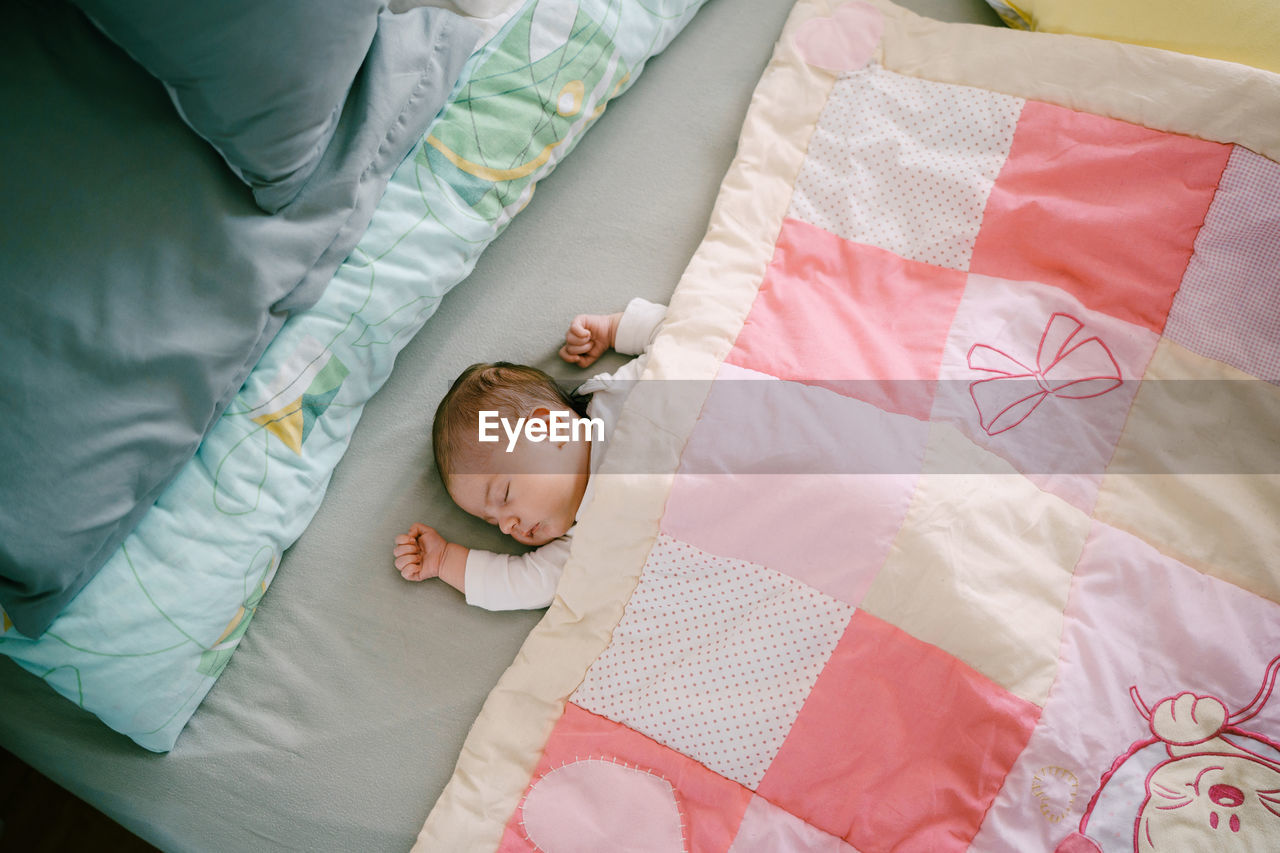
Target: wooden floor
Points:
(36, 816)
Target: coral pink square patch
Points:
(858, 319)
(602, 786)
(797, 478)
(1106, 210)
(900, 745)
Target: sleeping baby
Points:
(514, 449)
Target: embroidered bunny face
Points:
(1211, 802)
(1212, 794)
(1219, 788)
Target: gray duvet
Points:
(140, 283)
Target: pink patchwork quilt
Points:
(947, 516)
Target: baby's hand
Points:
(588, 337)
(420, 553)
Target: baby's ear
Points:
(542, 413)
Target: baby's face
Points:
(532, 493)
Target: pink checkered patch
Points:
(1228, 307)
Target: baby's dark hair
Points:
(512, 390)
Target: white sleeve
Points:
(524, 582)
(638, 326)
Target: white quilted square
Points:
(905, 164)
(714, 658)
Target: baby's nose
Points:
(508, 524)
(1226, 795)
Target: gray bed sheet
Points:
(339, 719)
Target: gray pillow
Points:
(263, 81)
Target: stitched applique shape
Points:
(1064, 368)
(600, 804)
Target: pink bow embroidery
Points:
(1087, 369)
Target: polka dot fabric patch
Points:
(926, 156)
(714, 658)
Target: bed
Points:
(337, 722)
